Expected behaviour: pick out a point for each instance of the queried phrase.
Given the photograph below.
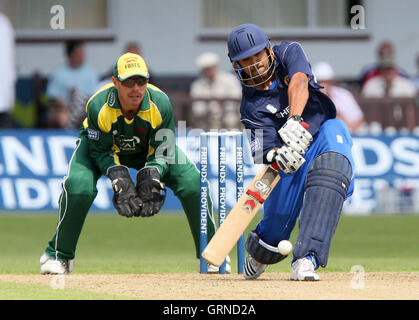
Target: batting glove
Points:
(286, 158)
(295, 135)
(125, 198)
(151, 191)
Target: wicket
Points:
(222, 189)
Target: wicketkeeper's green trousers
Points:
(79, 191)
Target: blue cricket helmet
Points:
(246, 40)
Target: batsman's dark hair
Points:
(71, 45)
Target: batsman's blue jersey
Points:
(269, 109)
(265, 112)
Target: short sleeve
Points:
(295, 60)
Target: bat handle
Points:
(274, 166)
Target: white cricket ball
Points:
(284, 247)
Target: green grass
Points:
(163, 244)
(17, 291)
(108, 243)
(378, 243)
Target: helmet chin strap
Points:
(246, 77)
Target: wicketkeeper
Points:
(129, 124)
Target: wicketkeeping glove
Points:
(287, 159)
(150, 190)
(125, 198)
(295, 135)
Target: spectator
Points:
(389, 83)
(133, 47)
(7, 71)
(347, 108)
(385, 51)
(214, 83)
(69, 88)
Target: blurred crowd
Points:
(214, 93)
(383, 79)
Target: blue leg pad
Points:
(326, 186)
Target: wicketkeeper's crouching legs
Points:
(77, 196)
(79, 191)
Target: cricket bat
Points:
(241, 215)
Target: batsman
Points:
(129, 124)
(294, 127)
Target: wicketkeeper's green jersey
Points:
(115, 140)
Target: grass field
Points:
(110, 244)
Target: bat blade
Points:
(240, 216)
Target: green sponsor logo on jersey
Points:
(112, 99)
(126, 144)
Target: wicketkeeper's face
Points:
(130, 93)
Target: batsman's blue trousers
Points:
(283, 206)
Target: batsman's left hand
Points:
(286, 158)
(295, 135)
(150, 190)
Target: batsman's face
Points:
(130, 93)
(257, 70)
(257, 64)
